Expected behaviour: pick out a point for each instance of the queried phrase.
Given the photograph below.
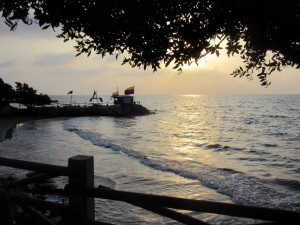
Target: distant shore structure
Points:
(123, 101)
(122, 105)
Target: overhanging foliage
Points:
(160, 32)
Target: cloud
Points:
(51, 59)
(7, 64)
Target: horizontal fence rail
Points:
(190, 204)
(34, 166)
(81, 193)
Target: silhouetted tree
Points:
(25, 94)
(6, 93)
(264, 33)
(28, 96)
(42, 99)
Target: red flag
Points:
(129, 91)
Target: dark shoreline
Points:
(9, 123)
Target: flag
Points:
(70, 92)
(114, 94)
(129, 91)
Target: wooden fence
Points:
(80, 209)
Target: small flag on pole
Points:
(114, 94)
(70, 93)
(129, 91)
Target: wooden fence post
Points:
(84, 166)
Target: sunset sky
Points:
(37, 57)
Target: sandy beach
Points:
(7, 123)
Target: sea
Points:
(241, 149)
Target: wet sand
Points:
(8, 123)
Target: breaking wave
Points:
(226, 181)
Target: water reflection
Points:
(189, 127)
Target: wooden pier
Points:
(85, 110)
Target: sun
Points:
(200, 63)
